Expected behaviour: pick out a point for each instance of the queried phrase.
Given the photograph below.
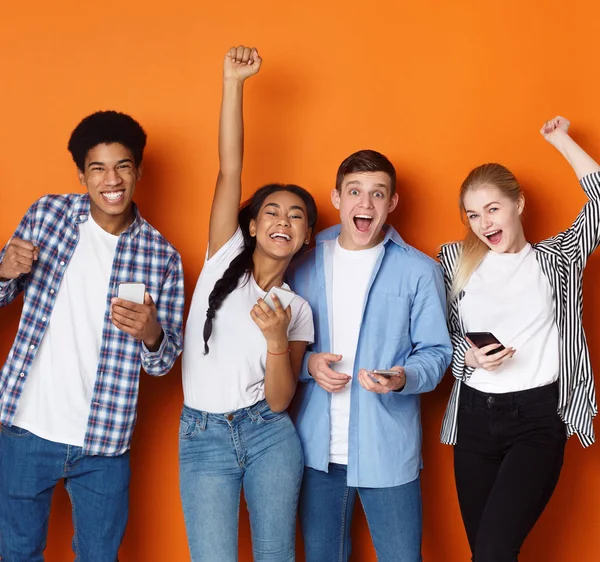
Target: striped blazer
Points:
(562, 259)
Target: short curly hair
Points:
(106, 127)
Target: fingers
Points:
(130, 306)
(492, 362)
(331, 357)
(243, 55)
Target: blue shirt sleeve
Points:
(432, 350)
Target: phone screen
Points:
(132, 292)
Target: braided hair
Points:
(242, 264)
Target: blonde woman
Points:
(515, 402)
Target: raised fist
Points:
(554, 128)
(241, 63)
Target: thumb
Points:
(473, 346)
(333, 357)
(255, 56)
(148, 299)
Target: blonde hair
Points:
(473, 248)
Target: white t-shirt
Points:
(56, 398)
(352, 271)
(509, 295)
(232, 375)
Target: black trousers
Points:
(507, 461)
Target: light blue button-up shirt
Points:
(403, 323)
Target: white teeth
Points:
(112, 195)
(491, 233)
(281, 235)
(363, 217)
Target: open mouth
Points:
(363, 222)
(281, 237)
(494, 237)
(112, 197)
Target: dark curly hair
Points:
(242, 264)
(106, 127)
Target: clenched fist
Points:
(18, 259)
(554, 128)
(241, 63)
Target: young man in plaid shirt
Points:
(68, 390)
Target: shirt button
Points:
(43, 318)
(22, 375)
(32, 347)
(62, 263)
(51, 291)
(96, 403)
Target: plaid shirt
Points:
(142, 255)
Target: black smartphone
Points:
(481, 339)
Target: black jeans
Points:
(507, 461)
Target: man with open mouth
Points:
(68, 390)
(378, 304)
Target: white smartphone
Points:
(285, 297)
(385, 373)
(132, 292)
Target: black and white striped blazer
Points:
(562, 259)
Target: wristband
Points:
(282, 353)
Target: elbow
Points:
(278, 404)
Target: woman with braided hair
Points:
(242, 359)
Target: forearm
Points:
(231, 128)
(581, 162)
(280, 381)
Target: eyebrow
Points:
(276, 205)
(358, 182)
(103, 164)
(485, 206)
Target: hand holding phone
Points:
(385, 373)
(486, 351)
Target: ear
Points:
(335, 198)
(393, 202)
(81, 177)
(139, 171)
(308, 236)
(252, 227)
(521, 204)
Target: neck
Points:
(112, 224)
(267, 271)
(517, 245)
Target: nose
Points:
(283, 221)
(365, 201)
(112, 178)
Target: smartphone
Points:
(481, 339)
(385, 373)
(132, 292)
(285, 297)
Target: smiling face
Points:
(281, 225)
(110, 176)
(495, 218)
(364, 201)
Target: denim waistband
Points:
(251, 412)
(470, 396)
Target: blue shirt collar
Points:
(333, 232)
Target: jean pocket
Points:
(14, 431)
(537, 410)
(269, 416)
(188, 427)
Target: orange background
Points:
(438, 86)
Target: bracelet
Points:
(288, 350)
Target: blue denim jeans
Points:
(253, 448)
(394, 516)
(30, 468)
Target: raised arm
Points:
(556, 132)
(240, 63)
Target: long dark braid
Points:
(242, 264)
